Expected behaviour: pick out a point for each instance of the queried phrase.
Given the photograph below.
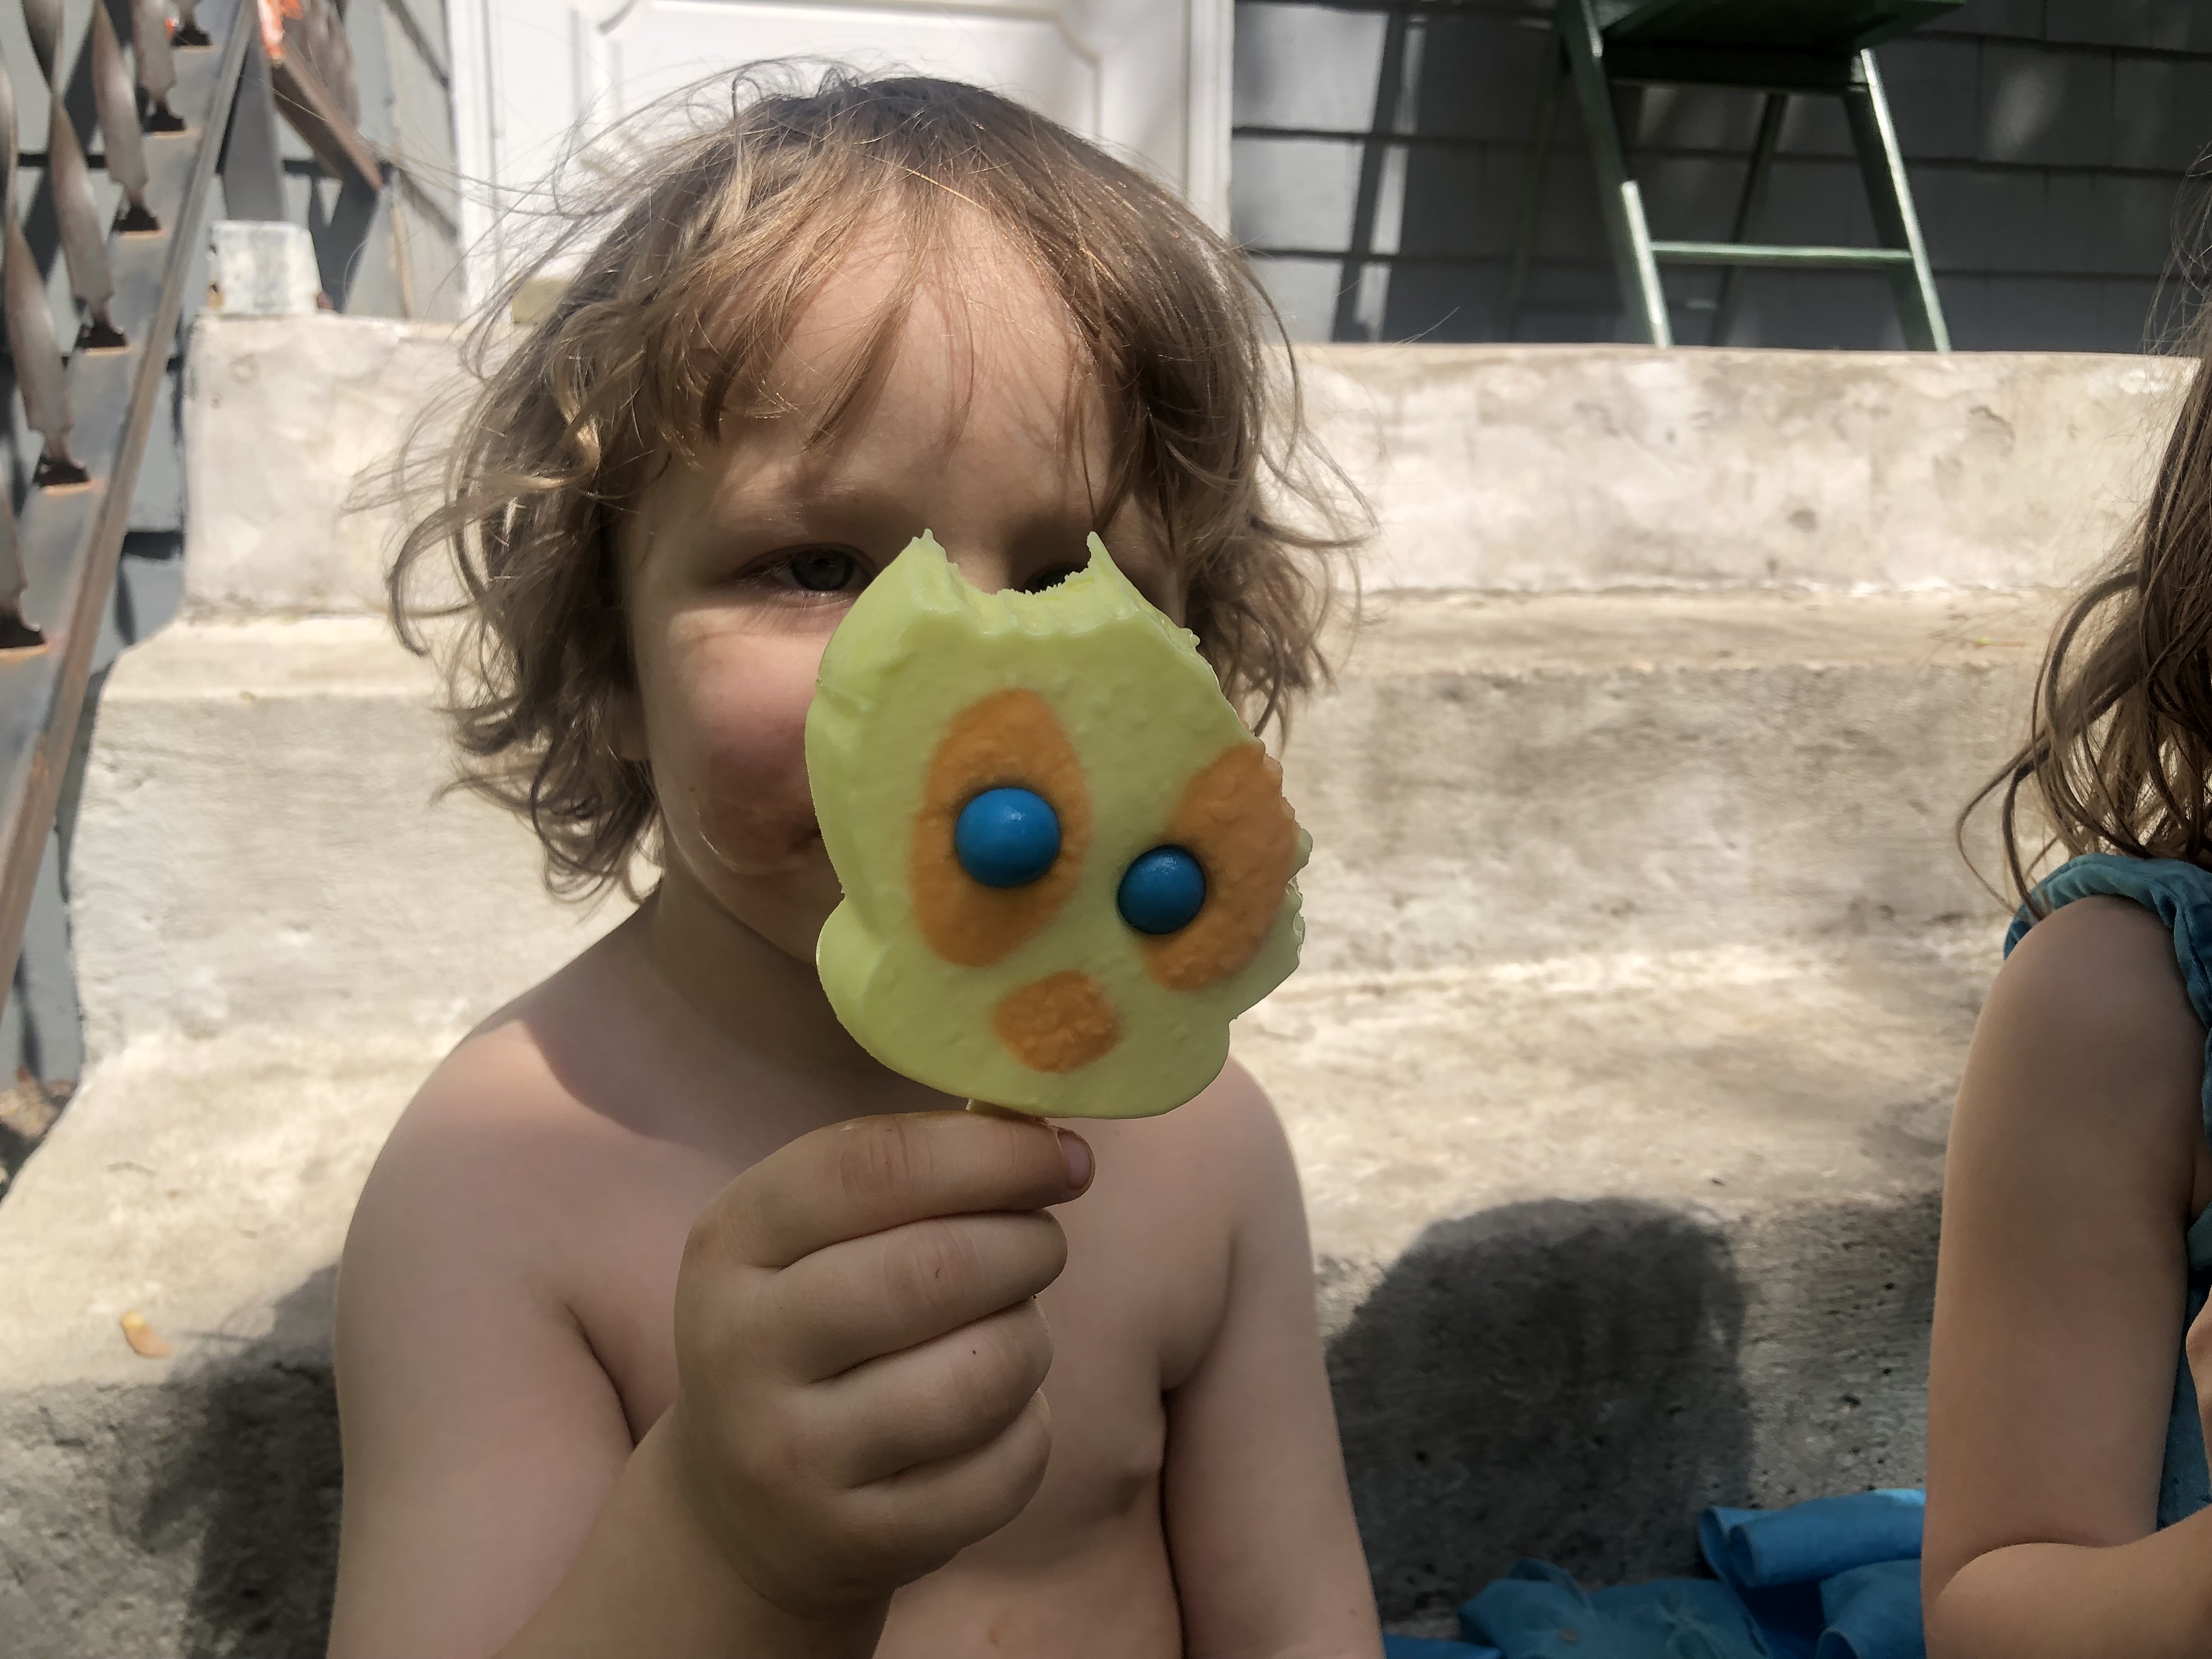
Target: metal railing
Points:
(195, 99)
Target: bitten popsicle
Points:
(1067, 865)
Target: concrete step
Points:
(1604, 1239)
(1494, 780)
(1497, 779)
(263, 842)
(1640, 976)
(1600, 1240)
(1547, 468)
(1530, 468)
(185, 1505)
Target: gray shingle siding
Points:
(2050, 143)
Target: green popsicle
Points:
(986, 768)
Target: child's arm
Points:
(1267, 1560)
(493, 1504)
(2058, 1307)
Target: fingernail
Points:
(1077, 1152)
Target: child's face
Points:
(736, 570)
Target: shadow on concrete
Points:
(1552, 1379)
(252, 1474)
(1570, 1381)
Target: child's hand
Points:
(858, 1352)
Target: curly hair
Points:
(2119, 755)
(680, 276)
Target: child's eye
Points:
(822, 570)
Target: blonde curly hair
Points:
(691, 264)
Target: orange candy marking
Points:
(1058, 1023)
(1234, 820)
(1010, 739)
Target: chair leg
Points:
(1641, 297)
(1389, 88)
(1533, 172)
(1746, 210)
(1882, 164)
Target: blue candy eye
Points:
(1006, 837)
(1161, 891)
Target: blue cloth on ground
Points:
(1776, 1561)
(1872, 1611)
(1539, 1612)
(2180, 895)
(1833, 1578)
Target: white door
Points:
(1148, 78)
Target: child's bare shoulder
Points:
(471, 1188)
(520, 1166)
(2101, 972)
(493, 1127)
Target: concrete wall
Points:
(2048, 141)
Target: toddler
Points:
(670, 1323)
(2068, 1496)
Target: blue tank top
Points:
(2180, 895)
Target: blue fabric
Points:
(1812, 1540)
(1433, 1647)
(1873, 1612)
(1833, 1578)
(2180, 895)
(1775, 1560)
(1539, 1612)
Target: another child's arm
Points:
(2058, 1307)
(493, 1504)
(1267, 1560)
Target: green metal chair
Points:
(1785, 48)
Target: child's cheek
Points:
(754, 819)
(745, 787)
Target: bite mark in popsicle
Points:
(1067, 865)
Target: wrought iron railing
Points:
(184, 101)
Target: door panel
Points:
(1149, 79)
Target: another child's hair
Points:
(2119, 746)
(691, 264)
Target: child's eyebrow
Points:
(782, 496)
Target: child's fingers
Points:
(940, 1399)
(875, 1173)
(947, 1505)
(861, 1297)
